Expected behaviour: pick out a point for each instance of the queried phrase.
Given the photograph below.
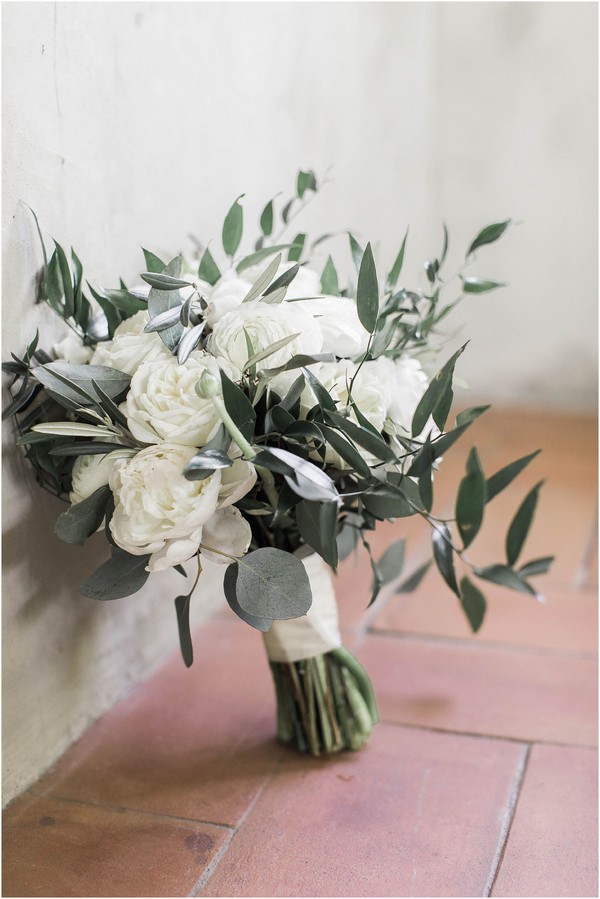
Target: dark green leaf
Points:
(536, 566)
(208, 269)
(397, 266)
(476, 285)
(122, 575)
(54, 375)
(470, 500)
(153, 263)
(346, 450)
(519, 526)
(295, 251)
(164, 282)
(239, 407)
(468, 416)
(389, 501)
(497, 482)
(109, 407)
(82, 448)
(412, 582)
(318, 523)
(436, 396)
(367, 291)
(125, 301)
(229, 586)
(84, 518)
(356, 250)
(182, 608)
(426, 489)
(505, 577)
(272, 584)
(205, 463)
(161, 300)
(473, 602)
(302, 476)
(233, 227)
(266, 219)
(306, 181)
(346, 540)
(444, 555)
(489, 235)
(285, 212)
(263, 280)
(391, 563)
(283, 280)
(53, 287)
(67, 280)
(329, 279)
(369, 441)
(323, 396)
(299, 361)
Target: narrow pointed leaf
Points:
(478, 285)
(84, 518)
(208, 269)
(444, 555)
(367, 291)
(266, 219)
(295, 251)
(470, 500)
(536, 566)
(519, 526)
(397, 266)
(153, 263)
(489, 235)
(501, 479)
(233, 227)
(436, 394)
(412, 582)
(391, 563)
(182, 609)
(329, 279)
(505, 577)
(263, 280)
(473, 602)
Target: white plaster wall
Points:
(129, 124)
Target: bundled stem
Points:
(325, 703)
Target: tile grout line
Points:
(210, 869)
(507, 820)
(94, 803)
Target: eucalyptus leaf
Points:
(233, 227)
(346, 540)
(470, 500)
(72, 429)
(519, 526)
(391, 563)
(208, 269)
(272, 584)
(318, 523)
(283, 280)
(367, 291)
(398, 263)
(188, 343)
(369, 441)
(436, 396)
(122, 575)
(412, 582)
(444, 555)
(266, 219)
(205, 463)
(229, 586)
(536, 566)
(268, 351)
(162, 281)
(263, 280)
(329, 279)
(295, 251)
(473, 602)
(477, 285)
(501, 479)
(505, 577)
(305, 181)
(84, 518)
(159, 301)
(489, 235)
(257, 257)
(153, 263)
(356, 250)
(164, 320)
(238, 406)
(182, 609)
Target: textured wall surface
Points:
(129, 124)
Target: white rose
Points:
(236, 482)
(307, 283)
(72, 350)
(340, 326)
(265, 324)
(130, 346)
(162, 403)
(227, 531)
(157, 510)
(408, 383)
(93, 471)
(227, 294)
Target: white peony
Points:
(265, 324)
(130, 346)
(162, 403)
(227, 531)
(307, 283)
(226, 295)
(236, 482)
(157, 510)
(340, 326)
(93, 471)
(408, 383)
(72, 350)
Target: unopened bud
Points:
(209, 385)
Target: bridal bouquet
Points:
(253, 412)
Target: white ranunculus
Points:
(340, 326)
(130, 346)
(72, 350)
(162, 403)
(226, 295)
(92, 472)
(307, 283)
(157, 510)
(408, 383)
(236, 482)
(265, 324)
(227, 531)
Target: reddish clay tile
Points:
(54, 848)
(195, 743)
(552, 849)
(484, 690)
(568, 620)
(412, 814)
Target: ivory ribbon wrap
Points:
(315, 633)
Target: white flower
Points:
(72, 350)
(130, 346)
(236, 482)
(264, 324)
(408, 383)
(92, 472)
(307, 283)
(162, 404)
(227, 294)
(340, 326)
(228, 532)
(157, 510)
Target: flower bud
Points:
(208, 385)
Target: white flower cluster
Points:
(158, 512)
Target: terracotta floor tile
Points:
(485, 690)
(568, 620)
(552, 849)
(194, 743)
(414, 814)
(54, 848)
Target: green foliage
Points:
(233, 227)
